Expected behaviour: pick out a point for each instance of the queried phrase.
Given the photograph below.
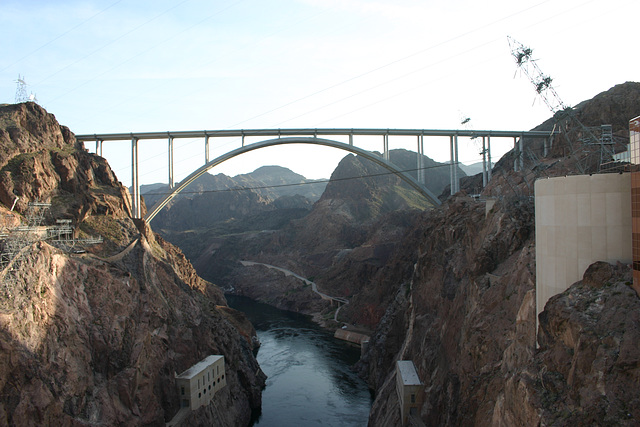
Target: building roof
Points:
(408, 373)
(199, 367)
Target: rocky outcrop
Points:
(586, 369)
(95, 338)
(85, 341)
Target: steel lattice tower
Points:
(564, 114)
(21, 90)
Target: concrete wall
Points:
(579, 220)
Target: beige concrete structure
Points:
(198, 384)
(410, 390)
(579, 220)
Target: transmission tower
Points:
(21, 90)
(561, 111)
(22, 236)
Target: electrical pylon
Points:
(21, 90)
(563, 114)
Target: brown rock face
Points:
(97, 338)
(467, 317)
(85, 341)
(467, 320)
(41, 161)
(586, 369)
(467, 304)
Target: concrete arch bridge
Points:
(274, 137)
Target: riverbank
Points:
(331, 323)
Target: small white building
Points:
(410, 389)
(198, 384)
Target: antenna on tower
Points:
(561, 111)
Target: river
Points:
(309, 380)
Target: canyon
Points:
(453, 289)
(97, 336)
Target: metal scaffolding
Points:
(60, 235)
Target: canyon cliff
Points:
(94, 333)
(465, 314)
(453, 289)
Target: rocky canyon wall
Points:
(95, 336)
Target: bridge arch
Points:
(291, 140)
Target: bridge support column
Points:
(170, 155)
(421, 172)
(518, 148)
(385, 150)
(547, 145)
(99, 147)
(451, 187)
(484, 163)
(455, 184)
(489, 158)
(135, 184)
(206, 148)
(521, 151)
(351, 139)
(455, 169)
(516, 153)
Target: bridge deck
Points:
(311, 132)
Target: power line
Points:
(60, 36)
(114, 40)
(147, 50)
(388, 64)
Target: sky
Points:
(106, 66)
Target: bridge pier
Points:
(455, 182)
(521, 151)
(548, 143)
(518, 161)
(99, 147)
(206, 148)
(489, 158)
(421, 172)
(484, 163)
(170, 155)
(385, 148)
(135, 183)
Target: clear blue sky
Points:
(142, 65)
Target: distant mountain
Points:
(270, 182)
(284, 182)
(472, 169)
(212, 199)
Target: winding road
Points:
(314, 287)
